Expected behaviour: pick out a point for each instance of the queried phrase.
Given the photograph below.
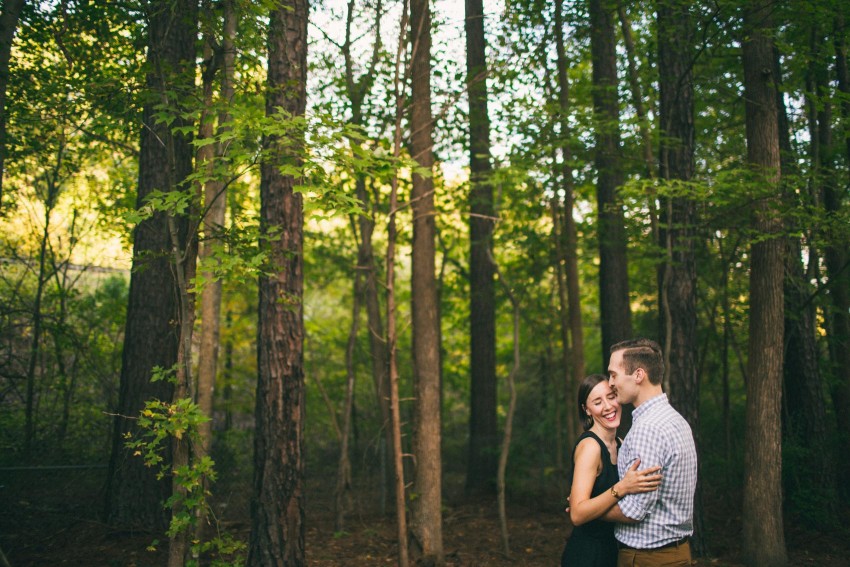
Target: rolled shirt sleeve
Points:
(637, 506)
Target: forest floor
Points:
(50, 518)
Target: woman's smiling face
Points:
(603, 407)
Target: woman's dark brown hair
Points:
(584, 389)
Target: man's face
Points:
(620, 381)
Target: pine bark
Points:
(134, 496)
(483, 428)
(678, 232)
(277, 512)
(678, 275)
(613, 267)
(427, 518)
(763, 537)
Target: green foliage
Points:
(220, 551)
(237, 258)
(809, 499)
(70, 102)
(160, 423)
(224, 551)
(74, 115)
(76, 379)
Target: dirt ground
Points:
(50, 518)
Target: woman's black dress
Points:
(593, 544)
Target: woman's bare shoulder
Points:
(587, 448)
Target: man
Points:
(653, 528)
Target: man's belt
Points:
(676, 543)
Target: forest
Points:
(291, 283)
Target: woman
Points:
(596, 485)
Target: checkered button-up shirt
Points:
(659, 436)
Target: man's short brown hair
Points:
(642, 353)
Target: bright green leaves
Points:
(159, 423)
(171, 202)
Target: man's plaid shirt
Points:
(659, 436)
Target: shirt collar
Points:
(648, 404)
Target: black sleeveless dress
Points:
(593, 544)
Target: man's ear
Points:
(640, 375)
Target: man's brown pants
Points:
(674, 556)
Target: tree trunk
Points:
(8, 24)
(342, 500)
(427, 518)
(392, 365)
(814, 473)
(356, 90)
(227, 373)
(724, 350)
(60, 337)
(838, 272)
(569, 238)
(509, 418)
(215, 205)
(277, 512)
(134, 496)
(805, 420)
(613, 270)
(615, 312)
(842, 74)
(395, 411)
(367, 263)
(37, 322)
(678, 278)
(763, 537)
(184, 254)
(483, 428)
(569, 380)
(67, 382)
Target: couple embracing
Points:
(623, 516)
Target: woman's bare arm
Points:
(588, 463)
